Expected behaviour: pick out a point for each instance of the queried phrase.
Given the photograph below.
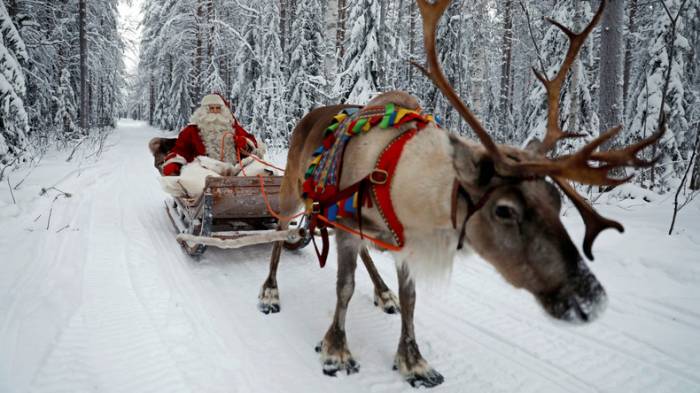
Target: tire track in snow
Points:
(155, 265)
(110, 344)
(46, 286)
(549, 344)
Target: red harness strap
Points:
(381, 190)
(379, 182)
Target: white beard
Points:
(212, 127)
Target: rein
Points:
(472, 207)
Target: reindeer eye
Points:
(505, 212)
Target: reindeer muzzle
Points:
(580, 300)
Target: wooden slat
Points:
(242, 181)
(241, 197)
(260, 237)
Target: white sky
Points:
(129, 20)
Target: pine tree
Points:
(270, 119)
(248, 71)
(14, 123)
(358, 77)
(648, 93)
(307, 83)
(66, 107)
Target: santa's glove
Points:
(171, 169)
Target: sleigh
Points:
(232, 212)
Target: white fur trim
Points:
(191, 181)
(222, 168)
(177, 159)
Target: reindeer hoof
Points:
(388, 302)
(331, 367)
(341, 361)
(269, 301)
(430, 379)
(416, 371)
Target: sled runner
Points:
(232, 213)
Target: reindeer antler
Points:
(431, 14)
(586, 166)
(553, 86)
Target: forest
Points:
(63, 79)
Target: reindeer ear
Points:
(533, 144)
(472, 164)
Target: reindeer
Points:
(306, 137)
(508, 209)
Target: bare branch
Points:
(676, 207)
(532, 36)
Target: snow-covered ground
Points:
(95, 295)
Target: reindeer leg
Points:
(269, 298)
(334, 351)
(409, 362)
(384, 298)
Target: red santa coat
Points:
(189, 145)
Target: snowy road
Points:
(105, 301)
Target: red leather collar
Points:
(381, 190)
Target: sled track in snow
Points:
(110, 338)
(143, 317)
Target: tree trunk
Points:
(631, 30)
(212, 33)
(199, 53)
(695, 179)
(506, 65)
(381, 32)
(340, 32)
(151, 99)
(284, 4)
(412, 39)
(611, 64)
(574, 104)
(481, 72)
(82, 26)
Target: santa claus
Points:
(213, 132)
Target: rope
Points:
(270, 210)
(258, 159)
(347, 229)
(269, 207)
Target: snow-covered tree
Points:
(358, 78)
(14, 122)
(66, 106)
(278, 59)
(270, 110)
(649, 89)
(307, 83)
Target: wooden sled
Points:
(232, 213)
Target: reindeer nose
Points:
(581, 299)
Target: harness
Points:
(473, 207)
(325, 203)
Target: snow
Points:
(101, 298)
